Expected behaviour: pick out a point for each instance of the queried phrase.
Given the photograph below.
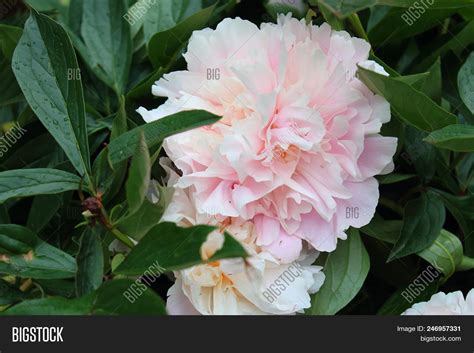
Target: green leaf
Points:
(377, 14)
(52, 306)
(126, 297)
(31, 154)
(164, 47)
(138, 176)
(43, 209)
(175, 248)
(90, 261)
(155, 132)
(451, 89)
(108, 179)
(74, 18)
(4, 215)
(422, 112)
(10, 92)
(412, 79)
(16, 239)
(47, 5)
(109, 299)
(136, 225)
(344, 8)
(378, 228)
(399, 24)
(61, 287)
(395, 178)
(456, 206)
(31, 182)
(119, 124)
(445, 254)
(298, 8)
(467, 13)
(387, 68)
(42, 70)
(459, 138)
(104, 40)
(166, 14)
(466, 82)
(456, 42)
(465, 172)
(102, 172)
(9, 37)
(422, 222)
(346, 269)
(465, 204)
(437, 4)
(143, 88)
(419, 153)
(431, 84)
(26, 255)
(9, 294)
(403, 298)
(336, 23)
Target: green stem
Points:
(467, 263)
(359, 30)
(391, 205)
(117, 233)
(122, 237)
(107, 105)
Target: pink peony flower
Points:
(445, 304)
(257, 285)
(298, 146)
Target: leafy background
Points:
(76, 177)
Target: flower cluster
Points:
(289, 167)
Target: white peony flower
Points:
(445, 304)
